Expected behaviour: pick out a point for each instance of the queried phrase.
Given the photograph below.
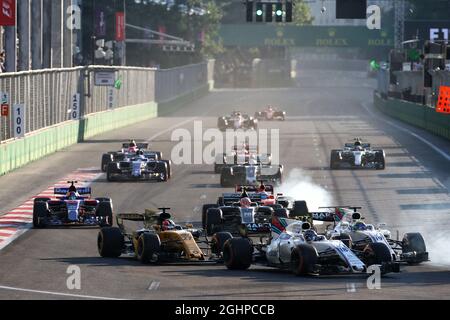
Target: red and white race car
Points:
(270, 114)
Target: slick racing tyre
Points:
(148, 246)
(161, 168)
(40, 214)
(303, 259)
(205, 209)
(226, 178)
(377, 253)
(380, 160)
(213, 221)
(334, 161)
(414, 242)
(105, 213)
(300, 209)
(106, 160)
(238, 254)
(111, 170)
(218, 242)
(169, 168)
(110, 242)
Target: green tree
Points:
(302, 13)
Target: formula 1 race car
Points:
(358, 155)
(270, 114)
(161, 240)
(73, 208)
(296, 247)
(360, 236)
(140, 166)
(243, 155)
(237, 120)
(250, 174)
(128, 149)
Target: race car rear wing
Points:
(254, 189)
(352, 145)
(138, 145)
(230, 198)
(81, 191)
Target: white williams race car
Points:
(366, 238)
(358, 155)
(296, 247)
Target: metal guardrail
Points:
(48, 94)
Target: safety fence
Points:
(48, 95)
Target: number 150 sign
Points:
(19, 121)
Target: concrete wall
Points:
(415, 114)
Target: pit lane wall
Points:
(135, 101)
(419, 115)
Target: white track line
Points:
(58, 293)
(401, 128)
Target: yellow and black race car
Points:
(160, 240)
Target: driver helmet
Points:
(358, 143)
(310, 235)
(132, 144)
(245, 202)
(359, 226)
(167, 225)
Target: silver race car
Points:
(366, 238)
(141, 166)
(358, 155)
(296, 247)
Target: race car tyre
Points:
(110, 242)
(218, 241)
(220, 201)
(335, 160)
(112, 168)
(213, 221)
(40, 213)
(161, 168)
(237, 254)
(377, 253)
(103, 199)
(148, 246)
(219, 164)
(204, 210)
(221, 124)
(413, 242)
(380, 160)
(159, 155)
(281, 213)
(267, 212)
(300, 209)
(169, 168)
(106, 159)
(303, 259)
(226, 178)
(345, 238)
(105, 211)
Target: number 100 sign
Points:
(19, 121)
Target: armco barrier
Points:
(415, 114)
(40, 143)
(49, 139)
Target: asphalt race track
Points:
(410, 195)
